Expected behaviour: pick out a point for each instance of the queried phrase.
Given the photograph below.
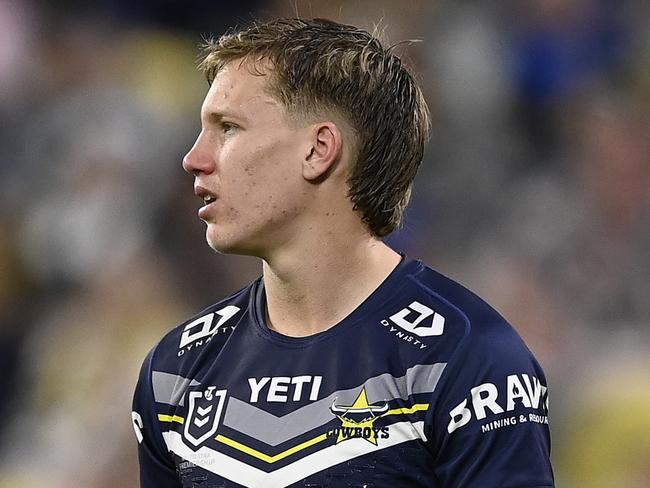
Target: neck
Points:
(314, 286)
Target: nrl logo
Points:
(357, 420)
(205, 409)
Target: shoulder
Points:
(491, 397)
(482, 326)
(480, 349)
(489, 364)
(433, 320)
(448, 317)
(179, 350)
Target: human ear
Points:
(324, 152)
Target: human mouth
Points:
(208, 197)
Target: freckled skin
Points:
(254, 168)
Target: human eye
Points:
(228, 127)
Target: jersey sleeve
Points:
(157, 469)
(488, 425)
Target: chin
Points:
(227, 243)
(215, 239)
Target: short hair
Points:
(319, 66)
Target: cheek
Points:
(267, 171)
(237, 173)
(261, 181)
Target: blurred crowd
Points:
(534, 192)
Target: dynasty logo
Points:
(357, 420)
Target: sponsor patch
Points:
(485, 402)
(201, 330)
(415, 321)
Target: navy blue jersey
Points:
(423, 385)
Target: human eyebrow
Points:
(214, 117)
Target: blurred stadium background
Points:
(535, 192)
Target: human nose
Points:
(199, 159)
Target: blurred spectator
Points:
(559, 47)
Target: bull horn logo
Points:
(357, 419)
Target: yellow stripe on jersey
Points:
(278, 457)
(265, 457)
(272, 459)
(170, 418)
(406, 411)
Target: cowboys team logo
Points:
(205, 409)
(357, 420)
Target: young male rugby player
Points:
(346, 364)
